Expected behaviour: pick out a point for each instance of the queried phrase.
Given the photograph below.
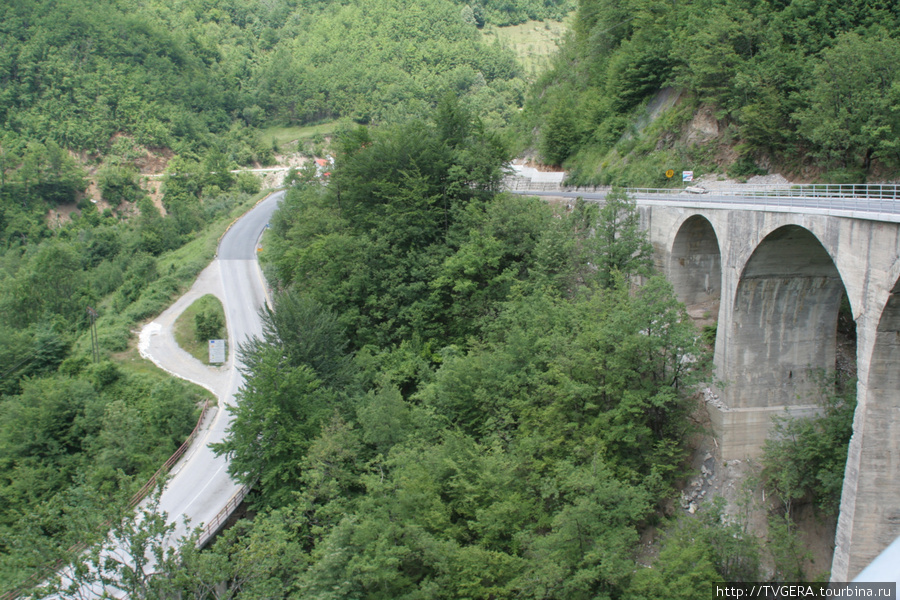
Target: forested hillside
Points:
(171, 74)
(92, 92)
(118, 77)
(459, 393)
(792, 84)
(83, 426)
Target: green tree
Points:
(586, 554)
(713, 47)
(258, 558)
(789, 553)
(613, 240)
(805, 458)
(561, 134)
(217, 170)
(156, 234)
(696, 552)
(279, 410)
(682, 567)
(42, 433)
(119, 184)
(51, 284)
(208, 325)
(285, 398)
(140, 558)
(851, 116)
(307, 333)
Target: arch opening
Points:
(783, 333)
(695, 269)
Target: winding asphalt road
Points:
(200, 486)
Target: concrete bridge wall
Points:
(779, 278)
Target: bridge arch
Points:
(695, 262)
(784, 323)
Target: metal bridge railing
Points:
(883, 200)
(210, 529)
(859, 198)
(813, 190)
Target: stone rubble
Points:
(713, 399)
(696, 490)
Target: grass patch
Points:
(534, 42)
(200, 322)
(285, 135)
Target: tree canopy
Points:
(459, 393)
(175, 75)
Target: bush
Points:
(119, 184)
(744, 167)
(247, 183)
(114, 338)
(103, 373)
(805, 458)
(208, 325)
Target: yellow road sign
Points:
(670, 173)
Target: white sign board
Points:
(216, 351)
(687, 176)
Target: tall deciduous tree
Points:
(561, 134)
(286, 395)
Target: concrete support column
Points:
(870, 503)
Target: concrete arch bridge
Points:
(778, 264)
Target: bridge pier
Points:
(870, 505)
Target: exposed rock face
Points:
(704, 126)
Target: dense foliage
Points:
(87, 91)
(795, 80)
(195, 74)
(804, 459)
(514, 441)
(458, 392)
(504, 12)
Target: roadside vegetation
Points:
(84, 425)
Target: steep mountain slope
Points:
(788, 83)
